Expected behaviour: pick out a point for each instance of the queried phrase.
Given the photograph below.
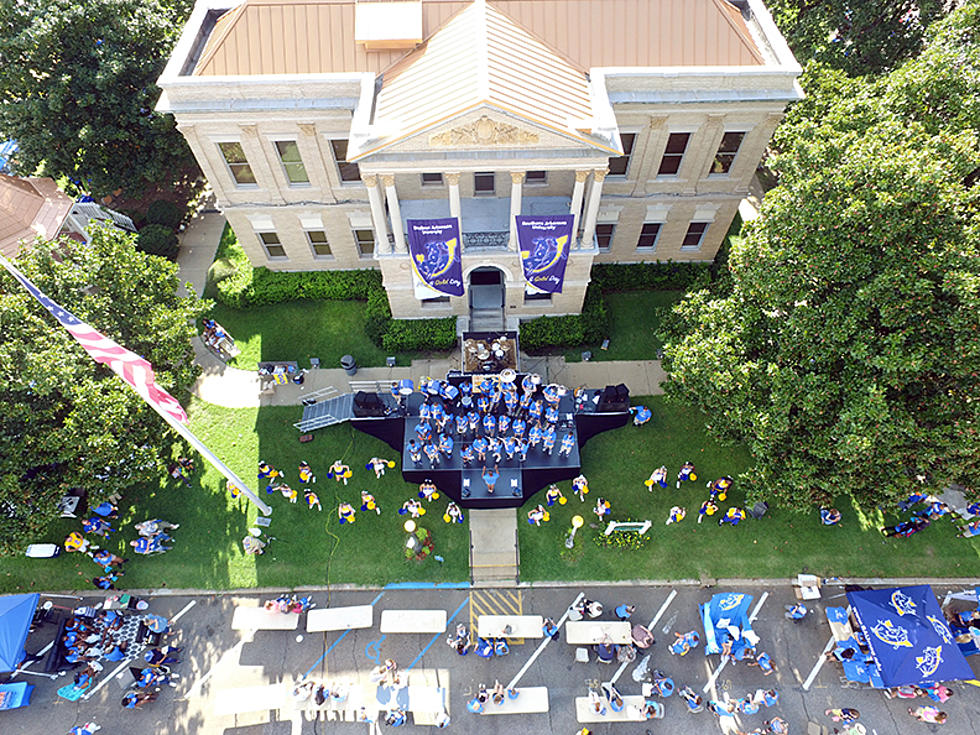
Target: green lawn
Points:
(634, 322)
(311, 548)
(782, 544)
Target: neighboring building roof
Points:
(29, 208)
(482, 57)
(317, 36)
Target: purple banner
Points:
(435, 250)
(545, 242)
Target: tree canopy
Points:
(859, 37)
(69, 422)
(846, 353)
(77, 90)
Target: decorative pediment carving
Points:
(483, 132)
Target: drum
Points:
(406, 387)
(452, 392)
(434, 387)
(508, 376)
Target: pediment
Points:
(484, 132)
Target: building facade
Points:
(324, 125)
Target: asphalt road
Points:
(220, 664)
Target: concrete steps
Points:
(494, 556)
(486, 320)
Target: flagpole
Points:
(174, 424)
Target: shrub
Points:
(164, 212)
(637, 276)
(406, 335)
(158, 240)
(378, 316)
(591, 325)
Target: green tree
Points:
(77, 90)
(68, 422)
(846, 354)
(858, 36)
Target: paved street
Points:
(223, 667)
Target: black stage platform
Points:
(518, 480)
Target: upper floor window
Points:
(604, 236)
(234, 156)
(483, 183)
(725, 157)
(318, 243)
(670, 164)
(536, 177)
(291, 161)
(619, 165)
(433, 179)
(648, 236)
(273, 247)
(349, 172)
(694, 236)
(365, 242)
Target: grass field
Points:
(782, 544)
(635, 319)
(312, 548)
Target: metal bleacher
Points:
(325, 408)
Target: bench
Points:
(251, 699)
(521, 626)
(593, 632)
(413, 621)
(631, 712)
(258, 618)
(530, 700)
(339, 618)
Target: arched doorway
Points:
(486, 290)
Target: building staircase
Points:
(486, 320)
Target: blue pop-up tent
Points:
(16, 613)
(908, 636)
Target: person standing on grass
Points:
(311, 499)
(580, 486)
(346, 514)
(686, 474)
(369, 503)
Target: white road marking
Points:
(653, 623)
(818, 665)
(724, 663)
(545, 642)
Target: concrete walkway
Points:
(493, 547)
(198, 244)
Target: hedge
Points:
(164, 212)
(568, 331)
(157, 240)
(408, 335)
(658, 275)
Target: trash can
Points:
(349, 365)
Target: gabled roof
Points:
(482, 58)
(317, 36)
(29, 208)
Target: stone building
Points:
(324, 125)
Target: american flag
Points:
(129, 366)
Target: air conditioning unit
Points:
(388, 25)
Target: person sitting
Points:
(606, 651)
(484, 648)
(912, 500)
(970, 529)
(596, 703)
(253, 545)
(734, 515)
(624, 611)
(694, 701)
(161, 656)
(770, 697)
(106, 582)
(395, 717)
(613, 696)
(146, 546)
(686, 474)
(136, 699)
(76, 542)
(776, 726)
(796, 612)
(906, 528)
(453, 514)
(98, 526)
(641, 415)
(535, 516)
(830, 516)
(662, 684)
(748, 706)
(154, 526)
(499, 693)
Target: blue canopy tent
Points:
(16, 614)
(726, 617)
(908, 636)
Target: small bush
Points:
(378, 316)
(638, 276)
(408, 335)
(158, 240)
(164, 212)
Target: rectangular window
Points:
(273, 248)
(483, 183)
(365, 242)
(695, 234)
(539, 178)
(604, 236)
(318, 243)
(648, 236)
(670, 164)
(292, 164)
(539, 296)
(349, 172)
(619, 165)
(435, 302)
(431, 179)
(234, 156)
(727, 151)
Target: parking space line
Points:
(437, 636)
(545, 642)
(714, 676)
(818, 665)
(656, 619)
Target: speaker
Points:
(367, 405)
(622, 393)
(611, 402)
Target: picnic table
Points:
(530, 700)
(594, 632)
(258, 618)
(632, 710)
(339, 618)
(413, 621)
(521, 626)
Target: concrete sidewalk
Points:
(198, 244)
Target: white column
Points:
(516, 186)
(592, 210)
(577, 193)
(453, 180)
(396, 213)
(377, 214)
